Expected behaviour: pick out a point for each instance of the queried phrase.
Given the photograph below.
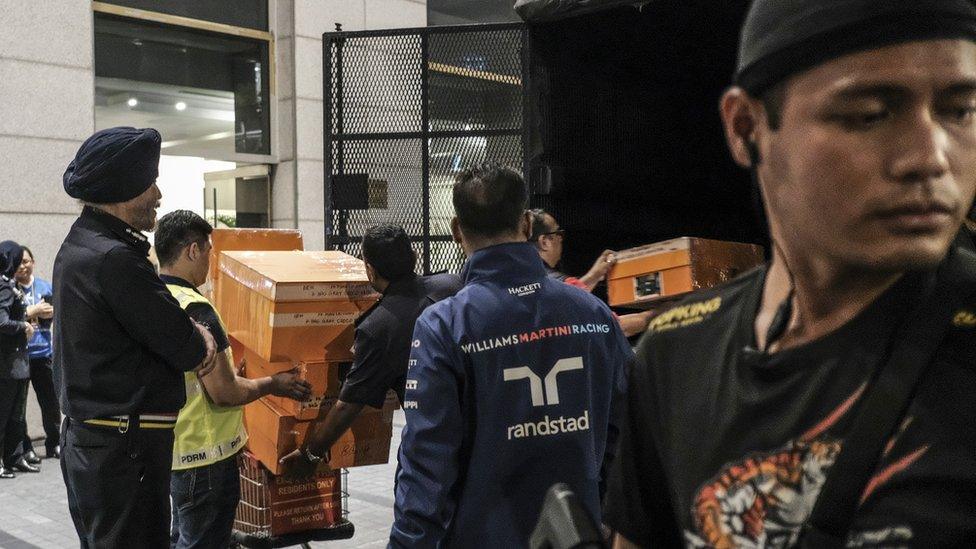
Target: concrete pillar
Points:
(48, 109)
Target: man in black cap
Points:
(121, 346)
(827, 398)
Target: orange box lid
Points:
(658, 256)
(284, 276)
(248, 239)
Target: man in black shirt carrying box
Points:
(121, 346)
(383, 337)
(858, 119)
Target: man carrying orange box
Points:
(382, 344)
(209, 430)
(548, 239)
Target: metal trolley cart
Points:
(271, 515)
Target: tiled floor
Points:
(34, 509)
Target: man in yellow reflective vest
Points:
(209, 432)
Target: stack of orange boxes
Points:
(297, 309)
(285, 308)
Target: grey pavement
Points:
(34, 507)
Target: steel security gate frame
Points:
(470, 58)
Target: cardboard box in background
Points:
(644, 276)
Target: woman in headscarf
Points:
(15, 332)
(38, 297)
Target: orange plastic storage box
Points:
(322, 376)
(647, 275)
(273, 433)
(249, 240)
(293, 306)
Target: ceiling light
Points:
(132, 102)
(180, 106)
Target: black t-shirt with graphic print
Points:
(725, 446)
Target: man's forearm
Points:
(325, 432)
(634, 323)
(249, 390)
(226, 388)
(590, 280)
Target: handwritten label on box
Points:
(297, 320)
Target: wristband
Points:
(310, 457)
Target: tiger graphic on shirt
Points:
(764, 499)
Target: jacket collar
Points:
(403, 286)
(516, 260)
(125, 232)
(177, 281)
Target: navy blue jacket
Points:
(509, 390)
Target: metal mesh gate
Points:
(405, 110)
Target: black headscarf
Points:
(11, 254)
(781, 38)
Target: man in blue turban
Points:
(117, 170)
(122, 345)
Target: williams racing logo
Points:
(684, 315)
(535, 335)
(544, 391)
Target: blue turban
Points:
(114, 165)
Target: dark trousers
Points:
(47, 398)
(118, 484)
(13, 418)
(204, 504)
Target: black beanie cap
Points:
(781, 38)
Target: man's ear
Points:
(740, 114)
(193, 251)
(370, 271)
(525, 225)
(456, 229)
(543, 243)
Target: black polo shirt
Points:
(383, 336)
(121, 341)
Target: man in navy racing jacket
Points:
(510, 386)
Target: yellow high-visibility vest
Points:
(205, 433)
